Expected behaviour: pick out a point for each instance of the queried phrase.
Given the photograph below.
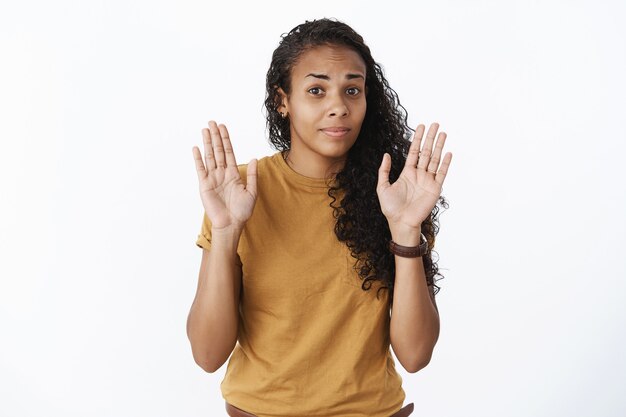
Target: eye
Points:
(355, 89)
(312, 89)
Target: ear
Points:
(283, 105)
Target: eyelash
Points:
(350, 88)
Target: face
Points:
(326, 105)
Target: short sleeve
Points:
(204, 238)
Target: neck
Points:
(312, 166)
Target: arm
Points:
(212, 323)
(228, 203)
(414, 327)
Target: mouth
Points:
(336, 132)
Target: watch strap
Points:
(410, 251)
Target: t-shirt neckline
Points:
(299, 178)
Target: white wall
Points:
(101, 102)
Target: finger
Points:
(218, 146)
(414, 149)
(426, 151)
(228, 147)
(433, 166)
(209, 158)
(383, 172)
(197, 156)
(251, 177)
(443, 170)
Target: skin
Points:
(314, 104)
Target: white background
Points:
(101, 102)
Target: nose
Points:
(337, 106)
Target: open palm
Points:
(412, 197)
(226, 199)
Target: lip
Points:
(336, 132)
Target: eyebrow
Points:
(326, 77)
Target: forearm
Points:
(213, 318)
(414, 327)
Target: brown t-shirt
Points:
(311, 342)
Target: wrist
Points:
(226, 237)
(406, 235)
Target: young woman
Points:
(318, 258)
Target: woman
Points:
(294, 242)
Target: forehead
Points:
(328, 59)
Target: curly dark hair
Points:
(360, 221)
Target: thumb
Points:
(251, 177)
(383, 172)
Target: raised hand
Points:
(408, 202)
(226, 200)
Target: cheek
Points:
(309, 115)
(304, 120)
(360, 109)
